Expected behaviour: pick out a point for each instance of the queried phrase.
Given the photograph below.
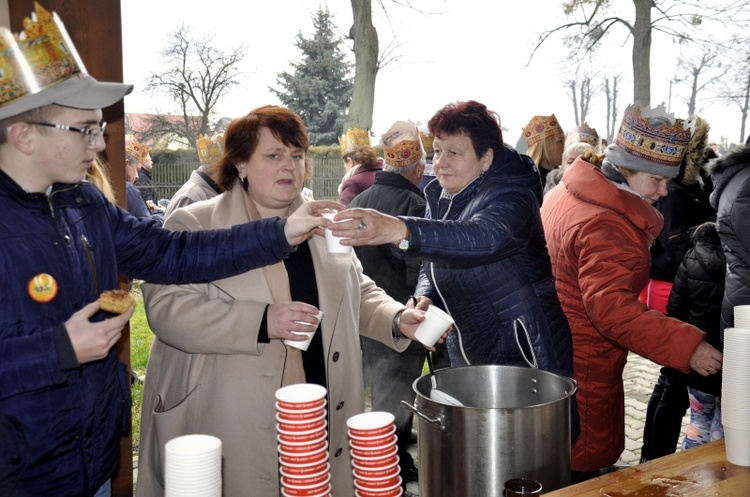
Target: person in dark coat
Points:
(696, 298)
(390, 374)
(684, 208)
(730, 174)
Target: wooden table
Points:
(703, 471)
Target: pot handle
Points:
(416, 410)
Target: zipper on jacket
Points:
(92, 263)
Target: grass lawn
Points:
(140, 345)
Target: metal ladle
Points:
(436, 394)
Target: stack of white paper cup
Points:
(742, 316)
(372, 438)
(735, 394)
(193, 466)
(303, 441)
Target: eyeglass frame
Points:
(92, 134)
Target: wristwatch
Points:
(397, 336)
(404, 243)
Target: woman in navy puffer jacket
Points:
(485, 261)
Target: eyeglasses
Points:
(92, 132)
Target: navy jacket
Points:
(488, 265)
(60, 421)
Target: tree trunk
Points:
(642, 53)
(745, 109)
(366, 50)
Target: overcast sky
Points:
(463, 49)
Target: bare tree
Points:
(593, 19)
(195, 75)
(580, 93)
(696, 67)
(611, 91)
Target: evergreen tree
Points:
(318, 88)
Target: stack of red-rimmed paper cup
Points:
(372, 438)
(303, 441)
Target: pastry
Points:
(116, 301)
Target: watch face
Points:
(403, 244)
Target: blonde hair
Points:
(541, 152)
(574, 150)
(98, 175)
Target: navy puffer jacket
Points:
(61, 422)
(487, 263)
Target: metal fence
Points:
(327, 173)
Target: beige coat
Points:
(208, 374)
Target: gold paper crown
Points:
(401, 145)
(209, 150)
(352, 140)
(427, 141)
(137, 150)
(541, 127)
(664, 143)
(586, 134)
(40, 56)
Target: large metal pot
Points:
(515, 422)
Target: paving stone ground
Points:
(639, 378)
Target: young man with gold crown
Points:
(64, 399)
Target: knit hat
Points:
(583, 133)
(541, 127)
(650, 141)
(402, 146)
(352, 140)
(40, 66)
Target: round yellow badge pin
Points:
(42, 288)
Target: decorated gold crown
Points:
(654, 136)
(137, 150)
(541, 127)
(40, 56)
(209, 150)
(402, 146)
(427, 138)
(586, 134)
(352, 140)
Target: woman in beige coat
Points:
(218, 357)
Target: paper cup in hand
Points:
(332, 242)
(305, 344)
(435, 323)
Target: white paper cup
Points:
(737, 443)
(332, 242)
(436, 322)
(303, 345)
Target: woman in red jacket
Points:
(599, 227)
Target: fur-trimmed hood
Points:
(696, 149)
(725, 167)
